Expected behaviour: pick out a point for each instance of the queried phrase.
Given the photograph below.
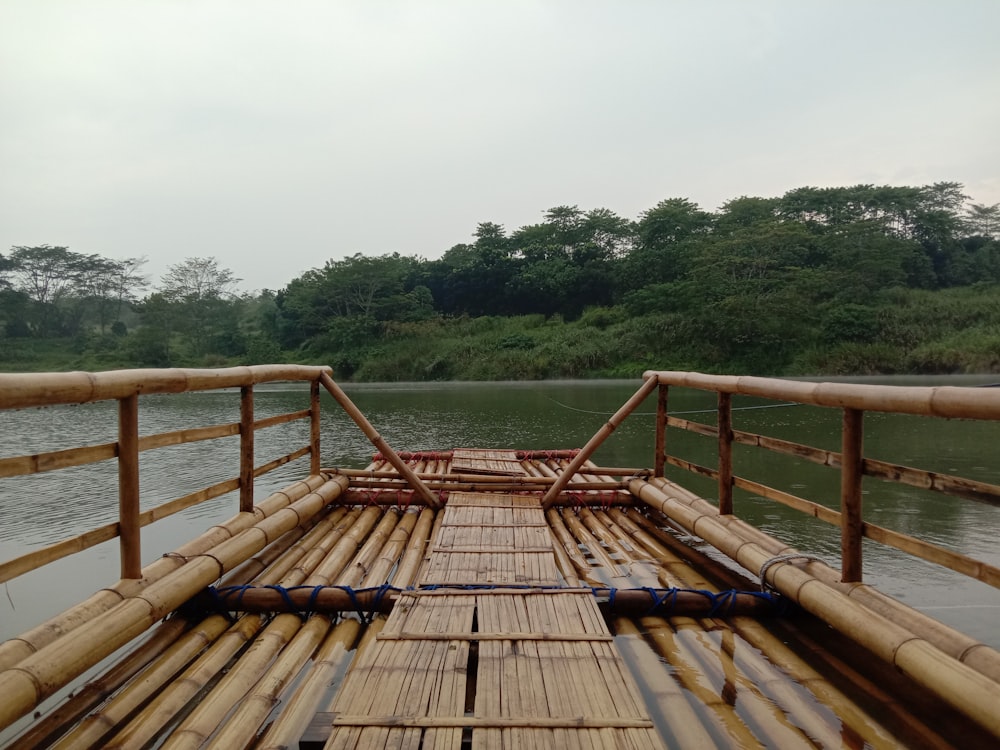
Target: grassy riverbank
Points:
(903, 331)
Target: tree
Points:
(983, 220)
(200, 301)
(198, 279)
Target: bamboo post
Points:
(314, 413)
(851, 531)
(128, 487)
(366, 427)
(660, 459)
(595, 442)
(725, 454)
(246, 449)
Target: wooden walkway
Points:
(499, 667)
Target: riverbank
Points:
(915, 332)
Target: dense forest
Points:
(853, 280)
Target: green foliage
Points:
(857, 279)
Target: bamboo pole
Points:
(45, 731)
(660, 451)
(409, 565)
(583, 536)
(952, 402)
(42, 673)
(201, 722)
(256, 705)
(178, 692)
(368, 477)
(236, 685)
(246, 448)
(21, 390)
(368, 553)
(681, 572)
(366, 427)
(334, 600)
(128, 487)
(595, 442)
(314, 428)
(958, 645)
(302, 704)
(725, 430)
(960, 686)
(851, 522)
(15, 649)
(392, 552)
(93, 730)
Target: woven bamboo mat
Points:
(480, 461)
(504, 668)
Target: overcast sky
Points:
(278, 135)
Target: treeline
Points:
(820, 280)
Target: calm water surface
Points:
(45, 508)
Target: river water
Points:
(44, 508)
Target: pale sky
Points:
(278, 135)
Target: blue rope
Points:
(663, 601)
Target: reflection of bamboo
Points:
(778, 654)
(965, 689)
(674, 714)
(974, 654)
(700, 659)
(692, 676)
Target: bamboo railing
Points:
(19, 391)
(854, 400)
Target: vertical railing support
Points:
(660, 459)
(725, 424)
(246, 449)
(851, 524)
(314, 463)
(128, 487)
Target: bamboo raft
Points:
(490, 598)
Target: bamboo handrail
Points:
(21, 390)
(935, 401)
(853, 400)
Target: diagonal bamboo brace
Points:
(372, 434)
(595, 442)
